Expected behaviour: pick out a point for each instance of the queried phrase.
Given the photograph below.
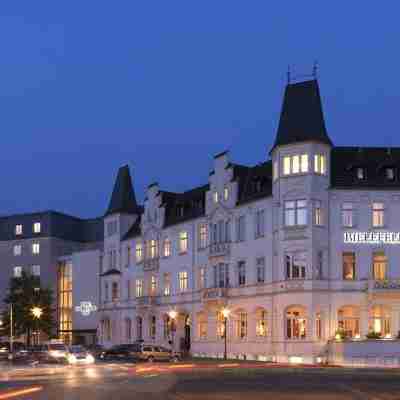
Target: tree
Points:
(24, 294)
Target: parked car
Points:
(150, 353)
(79, 355)
(119, 352)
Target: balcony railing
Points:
(147, 301)
(151, 264)
(214, 294)
(385, 284)
(219, 249)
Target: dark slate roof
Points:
(374, 161)
(181, 207)
(123, 199)
(111, 272)
(134, 230)
(301, 119)
(53, 224)
(254, 182)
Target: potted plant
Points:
(373, 335)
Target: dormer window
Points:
(360, 173)
(319, 164)
(215, 197)
(275, 171)
(389, 173)
(226, 194)
(179, 211)
(295, 164)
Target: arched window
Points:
(296, 322)
(261, 323)
(349, 321)
(128, 329)
(202, 325)
(139, 328)
(380, 320)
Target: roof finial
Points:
(288, 74)
(315, 69)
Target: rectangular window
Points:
(295, 164)
(379, 265)
(35, 248)
(215, 197)
(111, 228)
(318, 220)
(153, 248)
(260, 265)
(389, 173)
(349, 266)
(114, 291)
(128, 256)
(241, 229)
(105, 291)
(275, 172)
(183, 242)
(167, 284)
(319, 164)
(304, 163)
(241, 273)
(286, 165)
(378, 211)
(139, 288)
(35, 270)
(17, 250)
(139, 252)
(241, 326)
(36, 227)
(202, 278)
(17, 272)
(261, 324)
(318, 326)
(18, 229)
(221, 275)
(226, 194)
(296, 265)
(183, 281)
(360, 173)
(153, 285)
(347, 215)
(260, 223)
(128, 289)
(167, 248)
(296, 212)
(202, 236)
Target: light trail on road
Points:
(20, 392)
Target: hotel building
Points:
(299, 250)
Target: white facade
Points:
(277, 261)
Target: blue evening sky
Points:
(87, 86)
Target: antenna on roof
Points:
(288, 74)
(315, 69)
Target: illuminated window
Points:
(380, 320)
(349, 266)
(349, 321)
(153, 248)
(286, 165)
(64, 300)
(296, 265)
(226, 194)
(318, 326)
(360, 173)
(275, 171)
(17, 272)
(202, 236)
(153, 285)
(35, 270)
(261, 323)
(220, 325)
(241, 325)
(202, 324)
(304, 163)
(347, 215)
(167, 247)
(215, 197)
(183, 242)
(202, 278)
(260, 265)
(389, 174)
(36, 227)
(167, 284)
(295, 323)
(295, 212)
(319, 164)
(167, 326)
(378, 211)
(379, 265)
(318, 213)
(17, 250)
(139, 288)
(35, 248)
(183, 281)
(295, 164)
(18, 229)
(139, 252)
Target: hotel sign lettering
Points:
(86, 308)
(372, 237)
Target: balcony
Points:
(214, 294)
(151, 264)
(146, 301)
(219, 249)
(384, 286)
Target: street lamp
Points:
(37, 313)
(225, 313)
(173, 314)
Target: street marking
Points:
(20, 392)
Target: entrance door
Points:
(187, 333)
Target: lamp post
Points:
(225, 314)
(173, 314)
(37, 313)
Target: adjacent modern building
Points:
(300, 253)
